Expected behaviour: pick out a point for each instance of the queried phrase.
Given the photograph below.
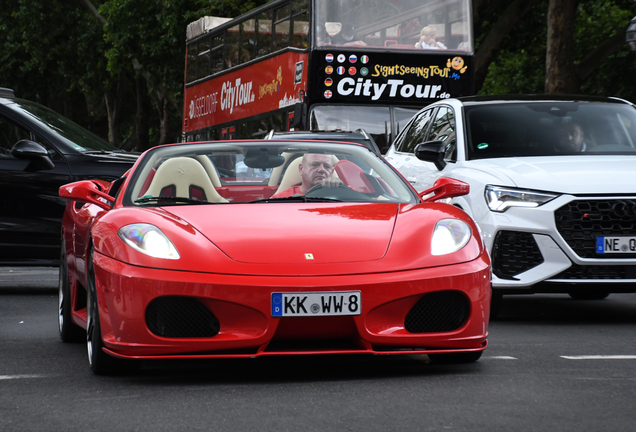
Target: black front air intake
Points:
(181, 317)
(514, 253)
(439, 311)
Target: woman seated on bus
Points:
(427, 39)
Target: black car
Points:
(40, 150)
(359, 136)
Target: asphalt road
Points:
(553, 364)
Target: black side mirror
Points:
(432, 151)
(36, 153)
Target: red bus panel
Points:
(265, 86)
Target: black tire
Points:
(100, 362)
(455, 358)
(597, 294)
(69, 331)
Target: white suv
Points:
(552, 186)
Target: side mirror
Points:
(30, 150)
(87, 191)
(445, 187)
(432, 151)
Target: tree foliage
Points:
(117, 66)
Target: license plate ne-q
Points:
(316, 303)
(615, 244)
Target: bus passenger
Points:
(427, 39)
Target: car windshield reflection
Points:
(254, 172)
(550, 129)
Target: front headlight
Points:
(149, 240)
(499, 199)
(449, 235)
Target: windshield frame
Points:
(362, 155)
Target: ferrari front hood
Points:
(293, 233)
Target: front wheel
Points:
(455, 358)
(100, 362)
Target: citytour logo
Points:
(236, 95)
(366, 87)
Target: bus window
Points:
(247, 41)
(216, 54)
(300, 19)
(281, 28)
(232, 46)
(396, 25)
(264, 37)
(191, 72)
(374, 120)
(203, 59)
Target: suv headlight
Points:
(149, 240)
(499, 199)
(449, 235)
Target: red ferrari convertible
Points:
(255, 248)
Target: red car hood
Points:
(289, 233)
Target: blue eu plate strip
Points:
(600, 244)
(277, 304)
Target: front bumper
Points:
(531, 254)
(246, 327)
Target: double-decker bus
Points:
(325, 65)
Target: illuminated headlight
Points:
(450, 235)
(499, 199)
(149, 240)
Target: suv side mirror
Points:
(432, 151)
(36, 153)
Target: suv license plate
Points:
(316, 303)
(615, 244)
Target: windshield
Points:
(75, 135)
(395, 24)
(550, 128)
(264, 172)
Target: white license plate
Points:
(616, 244)
(316, 303)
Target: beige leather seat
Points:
(183, 177)
(210, 169)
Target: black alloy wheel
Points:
(69, 331)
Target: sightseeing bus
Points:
(325, 65)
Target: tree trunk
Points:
(142, 136)
(560, 75)
(492, 42)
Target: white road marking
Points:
(501, 357)
(8, 377)
(600, 357)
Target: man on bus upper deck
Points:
(314, 169)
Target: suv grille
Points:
(180, 317)
(580, 222)
(440, 311)
(602, 272)
(514, 253)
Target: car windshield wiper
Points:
(296, 198)
(148, 199)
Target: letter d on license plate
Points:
(316, 303)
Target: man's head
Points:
(570, 138)
(314, 168)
